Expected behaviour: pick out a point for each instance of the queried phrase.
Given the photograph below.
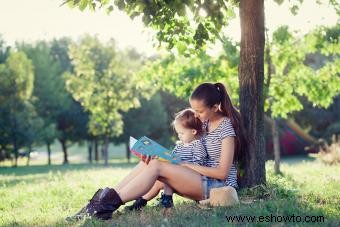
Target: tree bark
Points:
(128, 152)
(89, 148)
(48, 153)
(29, 156)
(64, 147)
(102, 150)
(96, 155)
(16, 153)
(105, 151)
(251, 78)
(276, 142)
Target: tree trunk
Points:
(48, 153)
(102, 150)
(251, 77)
(16, 153)
(89, 148)
(29, 155)
(105, 151)
(96, 155)
(128, 152)
(276, 142)
(64, 147)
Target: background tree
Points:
(33, 130)
(16, 85)
(321, 122)
(49, 92)
(4, 50)
(318, 121)
(71, 118)
(104, 83)
(4, 151)
(289, 77)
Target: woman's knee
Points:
(155, 165)
(141, 163)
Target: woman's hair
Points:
(212, 94)
(188, 120)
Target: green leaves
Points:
(310, 69)
(16, 77)
(201, 35)
(180, 75)
(19, 121)
(176, 21)
(104, 82)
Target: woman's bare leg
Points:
(133, 173)
(183, 180)
(153, 191)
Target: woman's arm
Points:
(226, 160)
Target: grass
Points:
(45, 195)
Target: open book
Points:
(146, 146)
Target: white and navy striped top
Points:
(193, 152)
(212, 141)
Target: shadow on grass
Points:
(40, 169)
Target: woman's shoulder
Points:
(225, 129)
(225, 123)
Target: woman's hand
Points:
(186, 164)
(147, 158)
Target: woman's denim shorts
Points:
(208, 183)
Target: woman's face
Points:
(202, 112)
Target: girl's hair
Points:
(188, 120)
(212, 94)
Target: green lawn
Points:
(44, 196)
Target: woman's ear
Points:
(194, 131)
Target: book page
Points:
(132, 142)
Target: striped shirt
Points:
(193, 152)
(212, 141)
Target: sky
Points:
(23, 20)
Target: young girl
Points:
(190, 150)
(224, 143)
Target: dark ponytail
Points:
(212, 94)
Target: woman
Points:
(224, 142)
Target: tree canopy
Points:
(103, 82)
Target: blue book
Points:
(146, 146)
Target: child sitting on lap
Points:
(190, 149)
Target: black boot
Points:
(137, 205)
(109, 202)
(89, 208)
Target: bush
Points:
(330, 154)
